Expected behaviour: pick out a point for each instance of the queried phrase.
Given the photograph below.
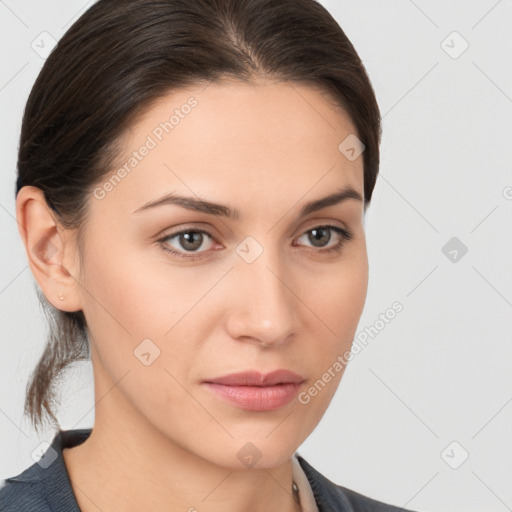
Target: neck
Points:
(126, 464)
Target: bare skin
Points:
(161, 440)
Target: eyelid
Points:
(198, 226)
(316, 223)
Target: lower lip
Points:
(256, 398)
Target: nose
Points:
(263, 306)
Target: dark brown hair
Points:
(122, 55)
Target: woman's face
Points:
(256, 291)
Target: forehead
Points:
(234, 141)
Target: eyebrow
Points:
(200, 205)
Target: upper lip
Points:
(255, 378)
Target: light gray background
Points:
(440, 371)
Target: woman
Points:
(193, 179)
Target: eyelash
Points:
(345, 236)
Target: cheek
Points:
(337, 297)
(137, 297)
(116, 298)
(133, 317)
(345, 300)
(120, 307)
(337, 305)
(128, 301)
(336, 301)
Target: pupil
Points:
(187, 238)
(319, 234)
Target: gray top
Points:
(45, 485)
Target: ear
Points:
(51, 249)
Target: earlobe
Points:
(46, 247)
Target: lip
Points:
(255, 391)
(255, 378)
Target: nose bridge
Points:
(264, 303)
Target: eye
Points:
(320, 236)
(191, 240)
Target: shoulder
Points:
(45, 485)
(23, 492)
(333, 497)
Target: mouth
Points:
(255, 391)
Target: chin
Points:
(252, 454)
